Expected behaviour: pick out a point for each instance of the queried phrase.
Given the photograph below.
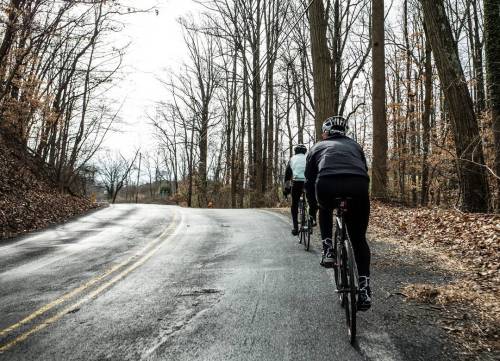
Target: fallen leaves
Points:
(29, 200)
(473, 319)
(467, 244)
(472, 240)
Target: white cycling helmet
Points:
(335, 125)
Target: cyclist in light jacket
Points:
(295, 174)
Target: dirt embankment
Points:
(29, 199)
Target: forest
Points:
(263, 75)
(418, 81)
(56, 62)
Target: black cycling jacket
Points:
(336, 155)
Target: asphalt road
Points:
(148, 282)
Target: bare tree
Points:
(468, 146)
(379, 164)
(321, 60)
(492, 46)
(114, 169)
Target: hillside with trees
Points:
(29, 197)
(57, 62)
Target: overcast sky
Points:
(156, 45)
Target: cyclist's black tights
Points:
(357, 215)
(297, 188)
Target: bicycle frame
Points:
(339, 217)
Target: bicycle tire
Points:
(336, 271)
(306, 227)
(301, 216)
(307, 239)
(343, 278)
(351, 299)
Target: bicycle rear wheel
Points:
(337, 245)
(307, 228)
(300, 219)
(307, 236)
(352, 288)
(343, 277)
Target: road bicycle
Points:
(305, 224)
(345, 269)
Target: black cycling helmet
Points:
(335, 125)
(300, 148)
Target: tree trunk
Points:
(190, 169)
(246, 91)
(202, 168)
(287, 117)
(401, 137)
(276, 142)
(492, 47)
(323, 92)
(470, 161)
(411, 100)
(379, 164)
(298, 105)
(336, 65)
(478, 61)
(241, 151)
(256, 177)
(234, 105)
(13, 11)
(270, 127)
(426, 124)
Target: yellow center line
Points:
(88, 284)
(77, 304)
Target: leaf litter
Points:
(466, 244)
(29, 199)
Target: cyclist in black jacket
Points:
(336, 167)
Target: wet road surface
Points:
(150, 282)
